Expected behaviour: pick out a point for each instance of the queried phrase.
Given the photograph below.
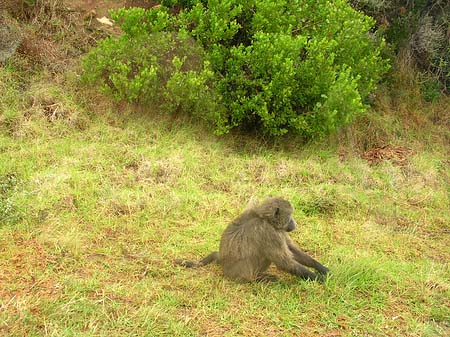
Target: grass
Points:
(98, 199)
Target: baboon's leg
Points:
(213, 257)
(306, 260)
(241, 271)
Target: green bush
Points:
(160, 69)
(279, 66)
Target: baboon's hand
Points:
(323, 270)
(321, 277)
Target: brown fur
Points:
(257, 238)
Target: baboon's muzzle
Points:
(291, 226)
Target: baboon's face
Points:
(278, 212)
(284, 219)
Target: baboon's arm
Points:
(306, 260)
(284, 261)
(295, 268)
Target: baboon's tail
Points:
(213, 257)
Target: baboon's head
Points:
(278, 212)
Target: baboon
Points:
(257, 238)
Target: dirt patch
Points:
(101, 8)
(98, 8)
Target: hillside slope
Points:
(98, 198)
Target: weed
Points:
(9, 211)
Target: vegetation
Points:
(97, 198)
(420, 30)
(266, 65)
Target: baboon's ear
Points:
(277, 212)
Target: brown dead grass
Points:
(24, 268)
(396, 154)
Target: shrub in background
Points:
(279, 66)
(421, 29)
